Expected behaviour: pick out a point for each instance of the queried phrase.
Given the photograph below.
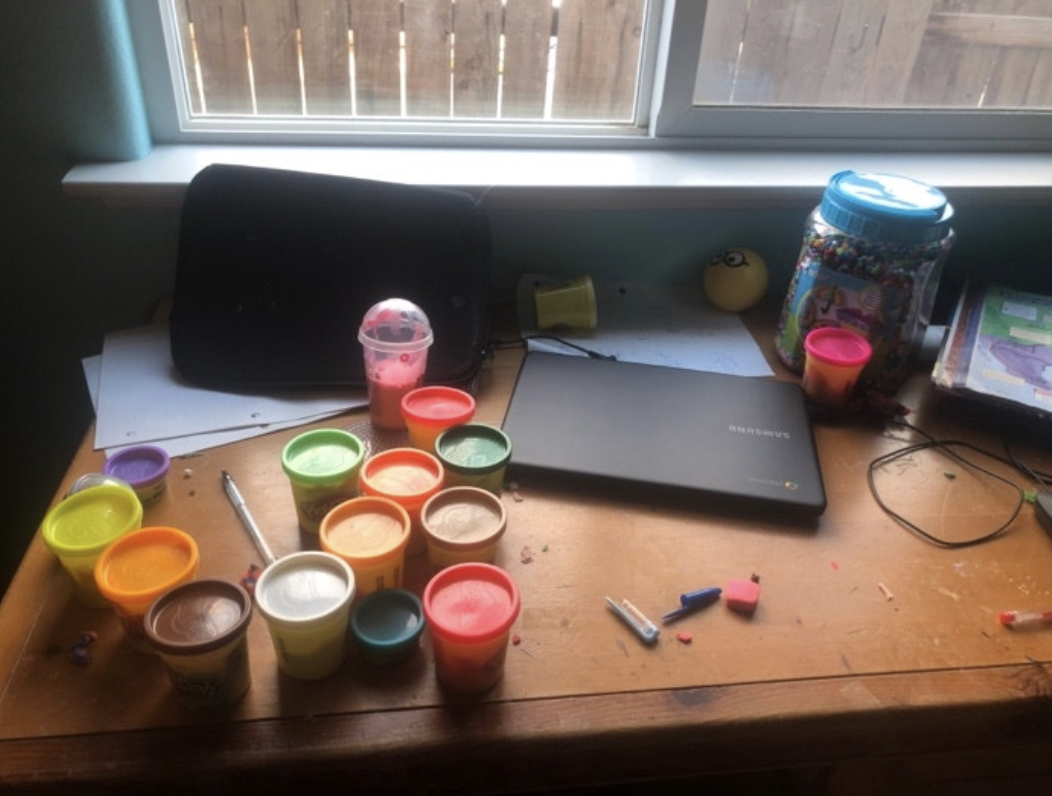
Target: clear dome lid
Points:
(395, 324)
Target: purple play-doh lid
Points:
(143, 467)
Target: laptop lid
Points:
(731, 440)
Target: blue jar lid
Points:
(886, 207)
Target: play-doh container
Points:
(474, 454)
(470, 609)
(408, 476)
(387, 625)
(82, 525)
(143, 467)
(462, 523)
(370, 533)
(322, 466)
(139, 567)
(428, 411)
(198, 630)
(305, 599)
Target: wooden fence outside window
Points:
(578, 60)
(468, 59)
(947, 54)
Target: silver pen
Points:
(246, 518)
(646, 630)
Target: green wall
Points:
(73, 269)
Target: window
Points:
(530, 60)
(930, 73)
(927, 73)
(329, 65)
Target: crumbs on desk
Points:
(248, 580)
(188, 473)
(526, 555)
(516, 639)
(683, 637)
(886, 592)
(513, 488)
(78, 651)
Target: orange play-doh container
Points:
(408, 476)
(370, 533)
(138, 568)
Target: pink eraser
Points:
(742, 595)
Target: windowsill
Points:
(599, 178)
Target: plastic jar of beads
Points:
(872, 255)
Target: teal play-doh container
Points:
(387, 625)
(474, 454)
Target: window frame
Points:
(167, 109)
(816, 128)
(665, 116)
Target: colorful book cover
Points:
(1000, 346)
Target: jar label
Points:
(828, 298)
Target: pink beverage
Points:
(395, 335)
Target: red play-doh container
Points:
(428, 411)
(470, 609)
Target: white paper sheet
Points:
(655, 324)
(139, 397)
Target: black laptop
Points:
(738, 441)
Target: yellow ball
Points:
(735, 279)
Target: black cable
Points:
(1034, 475)
(948, 447)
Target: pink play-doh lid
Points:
(837, 346)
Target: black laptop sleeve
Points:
(276, 269)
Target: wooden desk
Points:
(874, 657)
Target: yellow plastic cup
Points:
(570, 305)
(322, 466)
(139, 567)
(463, 523)
(408, 476)
(84, 524)
(470, 609)
(198, 630)
(305, 599)
(370, 533)
(834, 359)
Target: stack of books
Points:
(999, 349)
